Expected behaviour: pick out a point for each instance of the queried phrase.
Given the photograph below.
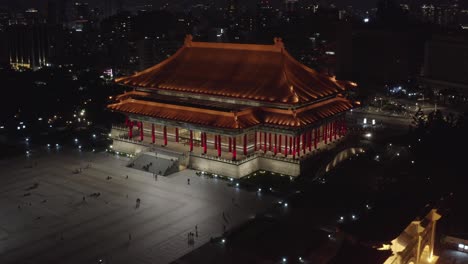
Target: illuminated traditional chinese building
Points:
(232, 109)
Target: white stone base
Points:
(221, 167)
(244, 168)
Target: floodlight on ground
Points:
(353, 217)
(341, 218)
(259, 189)
(368, 135)
(237, 184)
(285, 204)
(223, 241)
(284, 260)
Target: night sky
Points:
(22, 4)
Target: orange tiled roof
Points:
(235, 120)
(253, 72)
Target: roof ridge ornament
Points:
(188, 40)
(278, 42)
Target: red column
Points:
(264, 142)
(345, 126)
(310, 140)
(298, 145)
(153, 135)
(304, 142)
(279, 144)
(130, 131)
(341, 126)
(316, 135)
(291, 145)
(165, 135)
(260, 140)
(191, 140)
(255, 141)
(245, 144)
(219, 144)
(285, 145)
(269, 141)
(177, 134)
(234, 149)
(141, 131)
(325, 138)
(294, 147)
(216, 141)
(230, 144)
(204, 142)
(276, 143)
(335, 129)
(331, 132)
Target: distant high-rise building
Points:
(112, 7)
(81, 11)
(232, 9)
(56, 12)
(4, 19)
(264, 14)
(446, 64)
(290, 6)
(146, 53)
(28, 46)
(32, 16)
(445, 15)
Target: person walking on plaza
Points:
(188, 181)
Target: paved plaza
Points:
(48, 213)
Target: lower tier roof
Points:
(243, 119)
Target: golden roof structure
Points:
(251, 72)
(233, 86)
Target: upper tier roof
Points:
(251, 72)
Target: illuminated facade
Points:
(28, 46)
(232, 109)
